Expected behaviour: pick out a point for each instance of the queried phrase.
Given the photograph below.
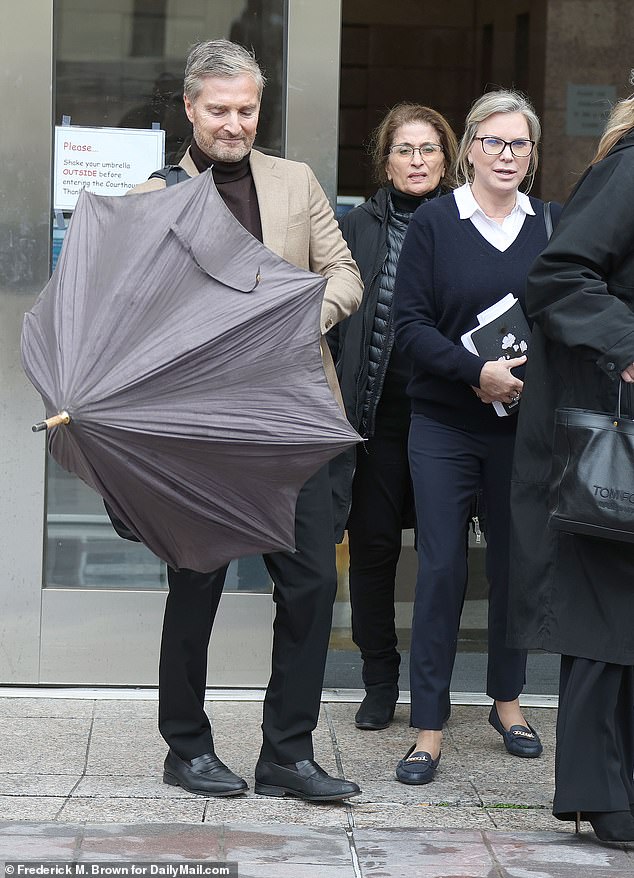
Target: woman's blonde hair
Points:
(620, 121)
(502, 101)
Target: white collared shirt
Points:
(500, 235)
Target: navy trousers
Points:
(594, 759)
(304, 589)
(448, 466)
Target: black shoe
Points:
(610, 825)
(518, 740)
(304, 779)
(205, 775)
(376, 711)
(416, 767)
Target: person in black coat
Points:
(573, 594)
(413, 151)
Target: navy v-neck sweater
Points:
(447, 273)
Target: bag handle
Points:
(548, 220)
(620, 416)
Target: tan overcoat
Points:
(298, 224)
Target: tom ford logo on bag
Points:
(591, 453)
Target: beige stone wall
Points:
(588, 42)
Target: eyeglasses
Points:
(405, 151)
(521, 149)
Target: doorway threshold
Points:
(130, 693)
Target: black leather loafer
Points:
(304, 779)
(416, 767)
(518, 740)
(376, 711)
(205, 775)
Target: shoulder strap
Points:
(548, 220)
(171, 174)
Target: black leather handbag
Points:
(592, 476)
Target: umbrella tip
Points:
(62, 418)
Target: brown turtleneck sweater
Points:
(234, 182)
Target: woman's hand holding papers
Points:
(497, 382)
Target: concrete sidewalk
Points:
(80, 781)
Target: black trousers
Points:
(448, 465)
(381, 498)
(594, 759)
(304, 589)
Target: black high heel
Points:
(615, 826)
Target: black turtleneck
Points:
(234, 182)
(407, 203)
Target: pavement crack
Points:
(84, 769)
(500, 871)
(337, 751)
(354, 856)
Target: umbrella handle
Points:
(55, 421)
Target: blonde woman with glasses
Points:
(572, 594)
(463, 253)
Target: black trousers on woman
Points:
(594, 759)
(448, 465)
(382, 499)
(304, 589)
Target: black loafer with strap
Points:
(416, 767)
(518, 740)
(305, 779)
(205, 775)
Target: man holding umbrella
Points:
(281, 203)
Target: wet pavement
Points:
(80, 782)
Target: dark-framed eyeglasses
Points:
(520, 148)
(405, 151)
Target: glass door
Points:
(121, 66)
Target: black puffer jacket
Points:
(365, 231)
(356, 345)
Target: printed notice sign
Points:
(106, 161)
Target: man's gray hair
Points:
(219, 58)
(502, 101)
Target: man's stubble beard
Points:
(217, 152)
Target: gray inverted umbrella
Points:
(180, 358)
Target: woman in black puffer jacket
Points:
(413, 151)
